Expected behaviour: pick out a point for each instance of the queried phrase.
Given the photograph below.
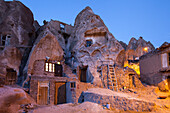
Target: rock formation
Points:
(134, 50)
(137, 48)
(16, 35)
(91, 44)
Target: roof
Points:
(156, 51)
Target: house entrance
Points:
(43, 93)
(83, 74)
(11, 77)
(58, 70)
(60, 93)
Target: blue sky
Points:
(124, 18)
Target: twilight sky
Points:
(124, 18)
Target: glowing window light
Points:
(50, 67)
(145, 49)
(53, 67)
(58, 63)
(46, 66)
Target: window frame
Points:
(50, 66)
(72, 85)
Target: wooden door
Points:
(43, 96)
(60, 93)
(11, 77)
(83, 75)
(58, 70)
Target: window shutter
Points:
(164, 60)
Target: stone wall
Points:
(70, 92)
(46, 46)
(117, 100)
(150, 69)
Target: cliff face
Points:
(16, 20)
(134, 50)
(139, 47)
(16, 31)
(91, 44)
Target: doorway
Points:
(131, 80)
(43, 93)
(83, 74)
(58, 70)
(11, 77)
(60, 93)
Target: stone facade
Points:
(70, 92)
(154, 66)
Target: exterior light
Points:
(58, 63)
(145, 49)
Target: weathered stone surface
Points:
(10, 57)
(12, 98)
(61, 34)
(91, 44)
(16, 31)
(163, 86)
(46, 45)
(16, 20)
(127, 77)
(124, 45)
(117, 100)
(138, 47)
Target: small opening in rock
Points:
(89, 43)
(72, 85)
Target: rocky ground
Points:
(12, 98)
(15, 100)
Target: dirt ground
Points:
(11, 100)
(149, 93)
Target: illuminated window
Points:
(46, 66)
(58, 63)
(49, 67)
(53, 67)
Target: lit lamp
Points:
(145, 49)
(58, 63)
